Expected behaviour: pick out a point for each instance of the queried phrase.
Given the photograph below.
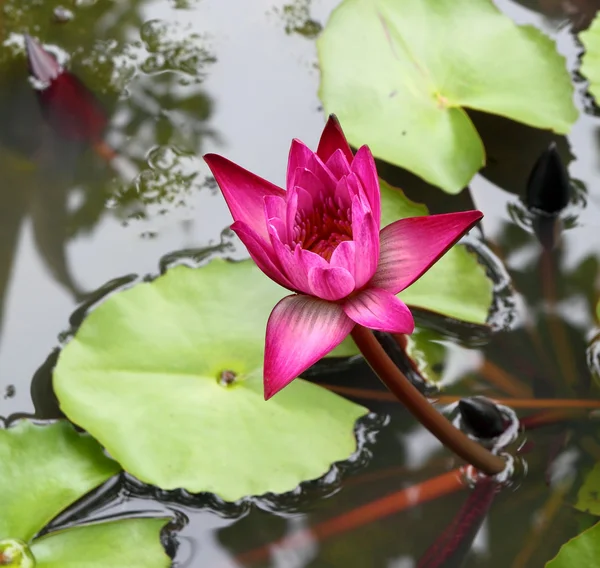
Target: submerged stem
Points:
(420, 407)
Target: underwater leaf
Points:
(590, 63)
(167, 375)
(399, 74)
(43, 470)
(583, 550)
(588, 498)
(126, 543)
(427, 353)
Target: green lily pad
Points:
(427, 352)
(127, 543)
(144, 376)
(590, 63)
(44, 470)
(399, 73)
(588, 498)
(583, 550)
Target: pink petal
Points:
(298, 158)
(300, 331)
(290, 262)
(344, 256)
(262, 254)
(331, 283)
(291, 208)
(310, 183)
(275, 213)
(42, 64)
(379, 309)
(408, 247)
(244, 192)
(301, 156)
(343, 193)
(338, 164)
(364, 167)
(365, 235)
(333, 139)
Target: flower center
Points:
(323, 228)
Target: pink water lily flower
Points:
(321, 240)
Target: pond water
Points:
(180, 78)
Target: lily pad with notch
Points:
(399, 74)
(167, 375)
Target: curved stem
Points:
(420, 407)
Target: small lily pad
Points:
(399, 74)
(588, 498)
(583, 550)
(43, 470)
(590, 63)
(168, 377)
(127, 543)
(427, 353)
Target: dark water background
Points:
(184, 77)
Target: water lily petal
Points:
(311, 184)
(344, 255)
(331, 283)
(290, 262)
(298, 158)
(300, 331)
(333, 139)
(365, 234)
(42, 64)
(261, 253)
(301, 156)
(338, 164)
(343, 194)
(364, 167)
(275, 213)
(291, 208)
(244, 192)
(408, 247)
(381, 310)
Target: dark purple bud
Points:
(548, 186)
(481, 417)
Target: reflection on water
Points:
(178, 78)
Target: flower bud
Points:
(548, 186)
(481, 417)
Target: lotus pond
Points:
(149, 353)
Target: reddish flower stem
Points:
(420, 407)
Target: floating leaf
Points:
(588, 498)
(127, 543)
(583, 550)
(590, 63)
(399, 73)
(167, 376)
(427, 353)
(44, 470)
